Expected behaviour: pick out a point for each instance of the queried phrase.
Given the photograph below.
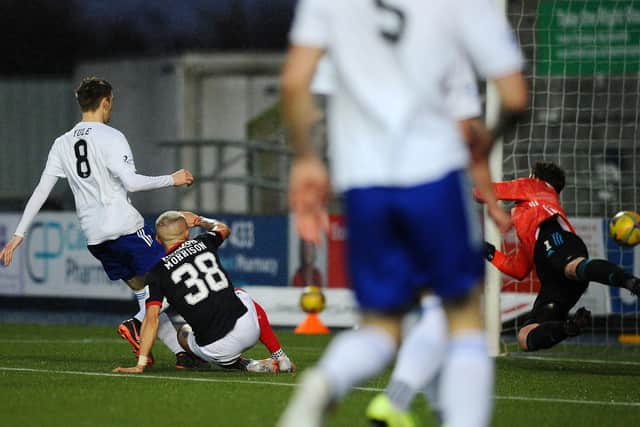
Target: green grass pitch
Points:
(61, 376)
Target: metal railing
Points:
(253, 171)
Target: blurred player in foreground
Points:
(425, 344)
(221, 322)
(549, 243)
(98, 163)
(401, 160)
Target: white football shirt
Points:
(462, 95)
(389, 120)
(96, 159)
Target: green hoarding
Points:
(587, 37)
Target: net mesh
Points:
(583, 66)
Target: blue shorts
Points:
(403, 240)
(129, 256)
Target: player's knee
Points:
(523, 335)
(136, 283)
(465, 313)
(183, 336)
(574, 269)
(391, 324)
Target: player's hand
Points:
(489, 251)
(132, 370)
(7, 252)
(192, 219)
(182, 177)
(500, 217)
(308, 193)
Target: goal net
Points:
(583, 67)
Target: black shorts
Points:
(554, 249)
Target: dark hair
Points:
(550, 173)
(90, 93)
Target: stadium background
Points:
(197, 87)
(216, 113)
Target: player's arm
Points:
(120, 162)
(37, 199)
(209, 224)
(481, 175)
(134, 182)
(517, 266)
(148, 333)
(477, 138)
(309, 181)
(514, 99)
(514, 191)
(463, 101)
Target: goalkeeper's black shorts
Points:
(554, 249)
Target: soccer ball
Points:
(624, 228)
(312, 300)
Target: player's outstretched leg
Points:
(605, 272)
(351, 358)
(547, 334)
(418, 361)
(468, 371)
(270, 340)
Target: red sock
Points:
(267, 336)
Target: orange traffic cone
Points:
(311, 325)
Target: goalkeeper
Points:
(549, 242)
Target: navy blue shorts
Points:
(129, 256)
(404, 240)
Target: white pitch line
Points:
(60, 341)
(568, 359)
(305, 348)
(103, 340)
(281, 384)
(556, 400)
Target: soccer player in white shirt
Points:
(98, 164)
(424, 346)
(398, 156)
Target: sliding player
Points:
(221, 322)
(548, 242)
(98, 163)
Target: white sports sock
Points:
(467, 381)
(168, 334)
(420, 356)
(141, 297)
(432, 396)
(355, 356)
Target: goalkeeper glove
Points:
(489, 251)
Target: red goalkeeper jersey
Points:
(535, 201)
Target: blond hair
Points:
(170, 226)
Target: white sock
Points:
(141, 297)
(168, 334)
(420, 356)
(467, 381)
(432, 396)
(355, 356)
